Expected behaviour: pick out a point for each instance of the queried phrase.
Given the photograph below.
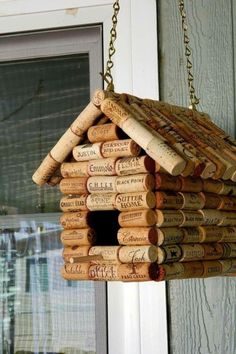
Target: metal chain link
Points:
(113, 35)
(194, 101)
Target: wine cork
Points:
(168, 254)
(153, 145)
(166, 156)
(225, 189)
(87, 152)
(137, 272)
(137, 254)
(226, 265)
(103, 272)
(233, 178)
(104, 132)
(228, 234)
(137, 218)
(229, 250)
(169, 218)
(134, 165)
(64, 146)
(191, 184)
(137, 236)
(191, 218)
(169, 235)
(77, 185)
(100, 95)
(227, 203)
(232, 270)
(180, 270)
(54, 181)
(74, 203)
(168, 200)
(159, 168)
(135, 201)
(78, 237)
(212, 201)
(74, 251)
(102, 184)
(46, 169)
(109, 253)
(86, 119)
(232, 190)
(225, 161)
(192, 252)
(136, 183)
(119, 148)
(193, 269)
(86, 259)
(166, 182)
(210, 233)
(212, 251)
(211, 216)
(228, 218)
(211, 269)
(76, 271)
(74, 169)
(191, 235)
(170, 271)
(75, 220)
(98, 201)
(192, 201)
(102, 167)
(212, 186)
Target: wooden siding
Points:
(201, 312)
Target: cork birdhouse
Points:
(148, 190)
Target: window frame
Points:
(137, 318)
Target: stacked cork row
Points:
(109, 176)
(165, 227)
(196, 226)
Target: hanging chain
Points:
(194, 101)
(113, 35)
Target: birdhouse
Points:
(148, 192)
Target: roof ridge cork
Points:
(180, 140)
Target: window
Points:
(46, 80)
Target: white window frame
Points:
(137, 320)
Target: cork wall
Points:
(201, 312)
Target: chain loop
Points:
(107, 77)
(194, 101)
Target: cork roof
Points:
(182, 141)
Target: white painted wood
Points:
(202, 312)
(153, 318)
(124, 318)
(210, 31)
(55, 19)
(20, 7)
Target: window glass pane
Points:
(39, 311)
(39, 100)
